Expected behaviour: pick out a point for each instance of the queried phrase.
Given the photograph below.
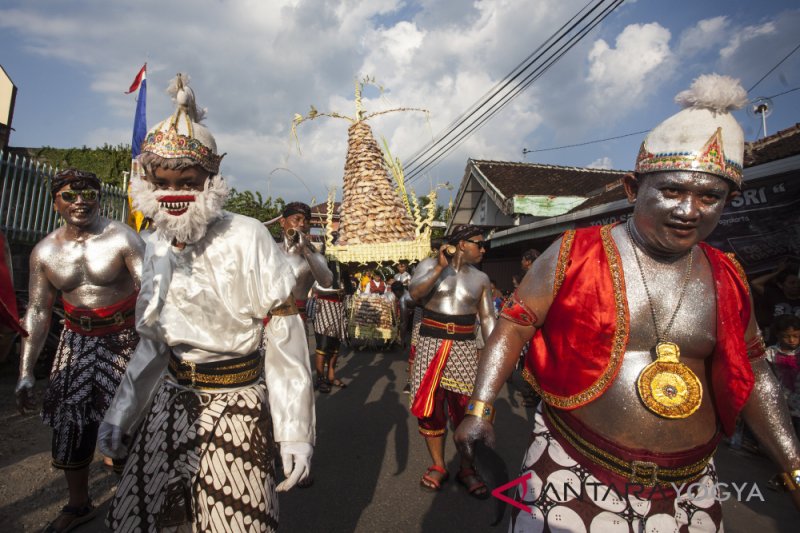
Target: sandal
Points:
(79, 515)
(338, 383)
(322, 385)
(431, 483)
(476, 489)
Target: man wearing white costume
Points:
(202, 458)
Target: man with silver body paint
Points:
(616, 297)
(284, 329)
(452, 293)
(208, 406)
(95, 263)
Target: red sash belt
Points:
(453, 327)
(101, 320)
(617, 466)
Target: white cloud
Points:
(705, 35)
(741, 38)
(623, 74)
(602, 162)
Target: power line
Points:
(458, 137)
(497, 107)
(478, 122)
(526, 151)
(773, 68)
(784, 92)
(491, 93)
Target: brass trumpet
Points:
(292, 235)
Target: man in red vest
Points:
(644, 348)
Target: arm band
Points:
(517, 312)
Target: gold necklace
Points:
(666, 386)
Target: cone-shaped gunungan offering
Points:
(371, 210)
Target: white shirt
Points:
(206, 303)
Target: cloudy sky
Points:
(254, 64)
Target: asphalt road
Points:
(367, 464)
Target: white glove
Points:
(109, 440)
(296, 458)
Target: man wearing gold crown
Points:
(644, 348)
(202, 458)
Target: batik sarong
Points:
(86, 373)
(459, 371)
(561, 495)
(202, 461)
(329, 318)
(417, 321)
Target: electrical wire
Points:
(453, 142)
(433, 158)
(627, 134)
(498, 87)
(585, 143)
(773, 68)
(418, 162)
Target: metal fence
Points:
(26, 205)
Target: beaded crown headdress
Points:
(704, 136)
(181, 134)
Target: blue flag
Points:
(140, 119)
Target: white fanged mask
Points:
(180, 217)
(176, 205)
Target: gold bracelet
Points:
(788, 481)
(481, 409)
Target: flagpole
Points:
(136, 218)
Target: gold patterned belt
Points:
(229, 373)
(631, 468)
(285, 309)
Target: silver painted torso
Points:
(619, 413)
(91, 271)
(305, 278)
(455, 293)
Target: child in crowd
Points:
(784, 358)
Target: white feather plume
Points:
(720, 94)
(183, 96)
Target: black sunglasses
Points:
(90, 195)
(479, 244)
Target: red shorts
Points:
(435, 425)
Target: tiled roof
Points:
(321, 210)
(780, 145)
(527, 179)
(601, 186)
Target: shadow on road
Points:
(356, 427)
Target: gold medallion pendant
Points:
(667, 387)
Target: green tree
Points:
(255, 206)
(107, 162)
